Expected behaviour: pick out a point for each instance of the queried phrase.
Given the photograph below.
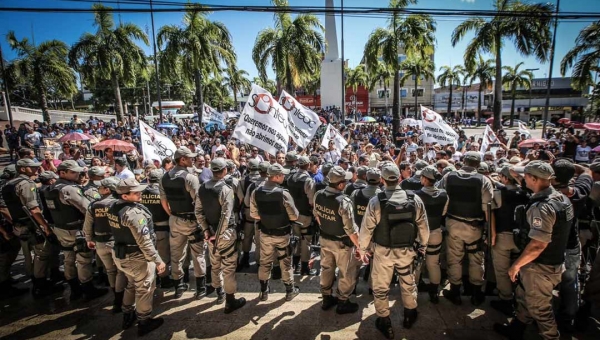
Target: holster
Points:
(120, 251)
(81, 245)
(196, 236)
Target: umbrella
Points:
(596, 149)
(592, 126)
(564, 121)
(166, 126)
(410, 122)
(115, 144)
(489, 121)
(73, 136)
(529, 142)
(368, 119)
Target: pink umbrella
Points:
(596, 149)
(528, 143)
(592, 126)
(489, 121)
(115, 144)
(73, 136)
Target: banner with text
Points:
(212, 115)
(435, 128)
(263, 122)
(489, 137)
(332, 134)
(155, 145)
(303, 122)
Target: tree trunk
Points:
(478, 116)
(199, 96)
(119, 102)
(450, 101)
(44, 104)
(512, 104)
(288, 82)
(498, 84)
(462, 104)
(416, 97)
(72, 103)
(237, 105)
(396, 102)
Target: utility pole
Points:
(155, 66)
(6, 89)
(547, 106)
(343, 108)
(530, 70)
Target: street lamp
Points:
(530, 70)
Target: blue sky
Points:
(244, 27)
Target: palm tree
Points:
(483, 70)
(382, 74)
(450, 77)
(216, 92)
(514, 78)
(237, 82)
(356, 77)
(584, 57)
(110, 54)
(201, 46)
(413, 34)
(44, 66)
(268, 84)
(292, 47)
(528, 28)
(417, 66)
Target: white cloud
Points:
(469, 1)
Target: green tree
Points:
(293, 48)
(584, 57)
(237, 81)
(514, 78)
(356, 77)
(381, 75)
(483, 71)
(110, 54)
(413, 34)
(417, 67)
(44, 66)
(201, 47)
(216, 93)
(450, 77)
(268, 84)
(528, 29)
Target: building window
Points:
(420, 92)
(381, 93)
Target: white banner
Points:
(212, 115)
(489, 137)
(524, 130)
(332, 134)
(435, 128)
(155, 145)
(303, 122)
(263, 122)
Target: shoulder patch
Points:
(32, 189)
(536, 223)
(145, 231)
(142, 221)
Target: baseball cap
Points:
(25, 162)
(110, 183)
(10, 170)
(390, 172)
(70, 165)
(184, 152)
(128, 185)
(253, 164)
(430, 172)
(218, 164)
(277, 169)
(155, 175)
(473, 156)
(373, 176)
(230, 164)
(448, 169)
(303, 160)
(538, 169)
(337, 174)
(361, 171)
(48, 175)
(264, 166)
(97, 171)
(515, 160)
(291, 156)
(483, 168)
(595, 167)
(505, 171)
(343, 160)
(564, 170)
(420, 165)
(326, 168)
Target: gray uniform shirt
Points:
(137, 219)
(72, 194)
(225, 201)
(541, 215)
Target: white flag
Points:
(435, 128)
(212, 115)
(263, 122)
(303, 122)
(489, 137)
(155, 145)
(524, 130)
(332, 134)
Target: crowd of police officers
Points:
(434, 223)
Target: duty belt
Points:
(77, 225)
(161, 226)
(276, 232)
(474, 223)
(104, 237)
(186, 215)
(344, 239)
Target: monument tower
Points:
(331, 66)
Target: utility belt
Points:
(76, 225)
(197, 236)
(28, 232)
(283, 231)
(103, 237)
(344, 239)
(190, 216)
(80, 245)
(122, 250)
(473, 223)
(228, 252)
(161, 226)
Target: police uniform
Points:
(260, 181)
(361, 174)
(302, 189)
(54, 262)
(214, 211)
(180, 187)
(291, 159)
(469, 194)
(334, 213)
(135, 255)
(273, 207)
(97, 229)
(395, 220)
(248, 232)
(414, 182)
(90, 191)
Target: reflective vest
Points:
(65, 216)
(361, 201)
(179, 199)
(151, 200)
(210, 203)
(505, 215)
(13, 201)
(102, 229)
(327, 206)
(412, 183)
(434, 207)
(396, 227)
(296, 187)
(269, 203)
(353, 186)
(464, 193)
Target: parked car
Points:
(515, 122)
(540, 123)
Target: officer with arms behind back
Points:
(252, 177)
(539, 268)
(260, 181)
(396, 222)
(135, 255)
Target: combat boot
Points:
(186, 275)
(180, 287)
(201, 288)
(118, 302)
(503, 306)
(39, 288)
(291, 292)
(166, 282)
(306, 270)
(514, 330)
(367, 272)
(296, 264)
(276, 273)
(231, 303)
(244, 263)
(432, 289)
(209, 274)
(56, 275)
(346, 307)
(102, 278)
(76, 292)
(264, 290)
(410, 317)
(91, 292)
(128, 319)
(328, 302)
(148, 325)
(453, 294)
(384, 325)
(220, 295)
(477, 296)
(8, 291)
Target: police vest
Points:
(505, 215)
(361, 201)
(296, 187)
(287, 177)
(273, 214)
(434, 207)
(320, 186)
(396, 227)
(412, 183)
(353, 186)
(151, 200)
(121, 234)
(45, 211)
(464, 193)
(102, 229)
(13, 202)
(236, 200)
(247, 182)
(179, 199)
(210, 203)
(94, 188)
(327, 206)
(65, 216)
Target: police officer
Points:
(263, 169)
(273, 207)
(436, 203)
(507, 196)
(178, 189)
(469, 194)
(235, 184)
(541, 264)
(68, 206)
(339, 235)
(22, 192)
(160, 219)
(361, 181)
(96, 174)
(302, 189)
(48, 178)
(396, 222)
(291, 161)
(98, 235)
(135, 255)
(215, 213)
(253, 176)
(414, 182)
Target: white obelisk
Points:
(331, 66)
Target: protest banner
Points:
(303, 122)
(524, 130)
(435, 129)
(212, 115)
(332, 134)
(263, 122)
(155, 145)
(489, 137)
